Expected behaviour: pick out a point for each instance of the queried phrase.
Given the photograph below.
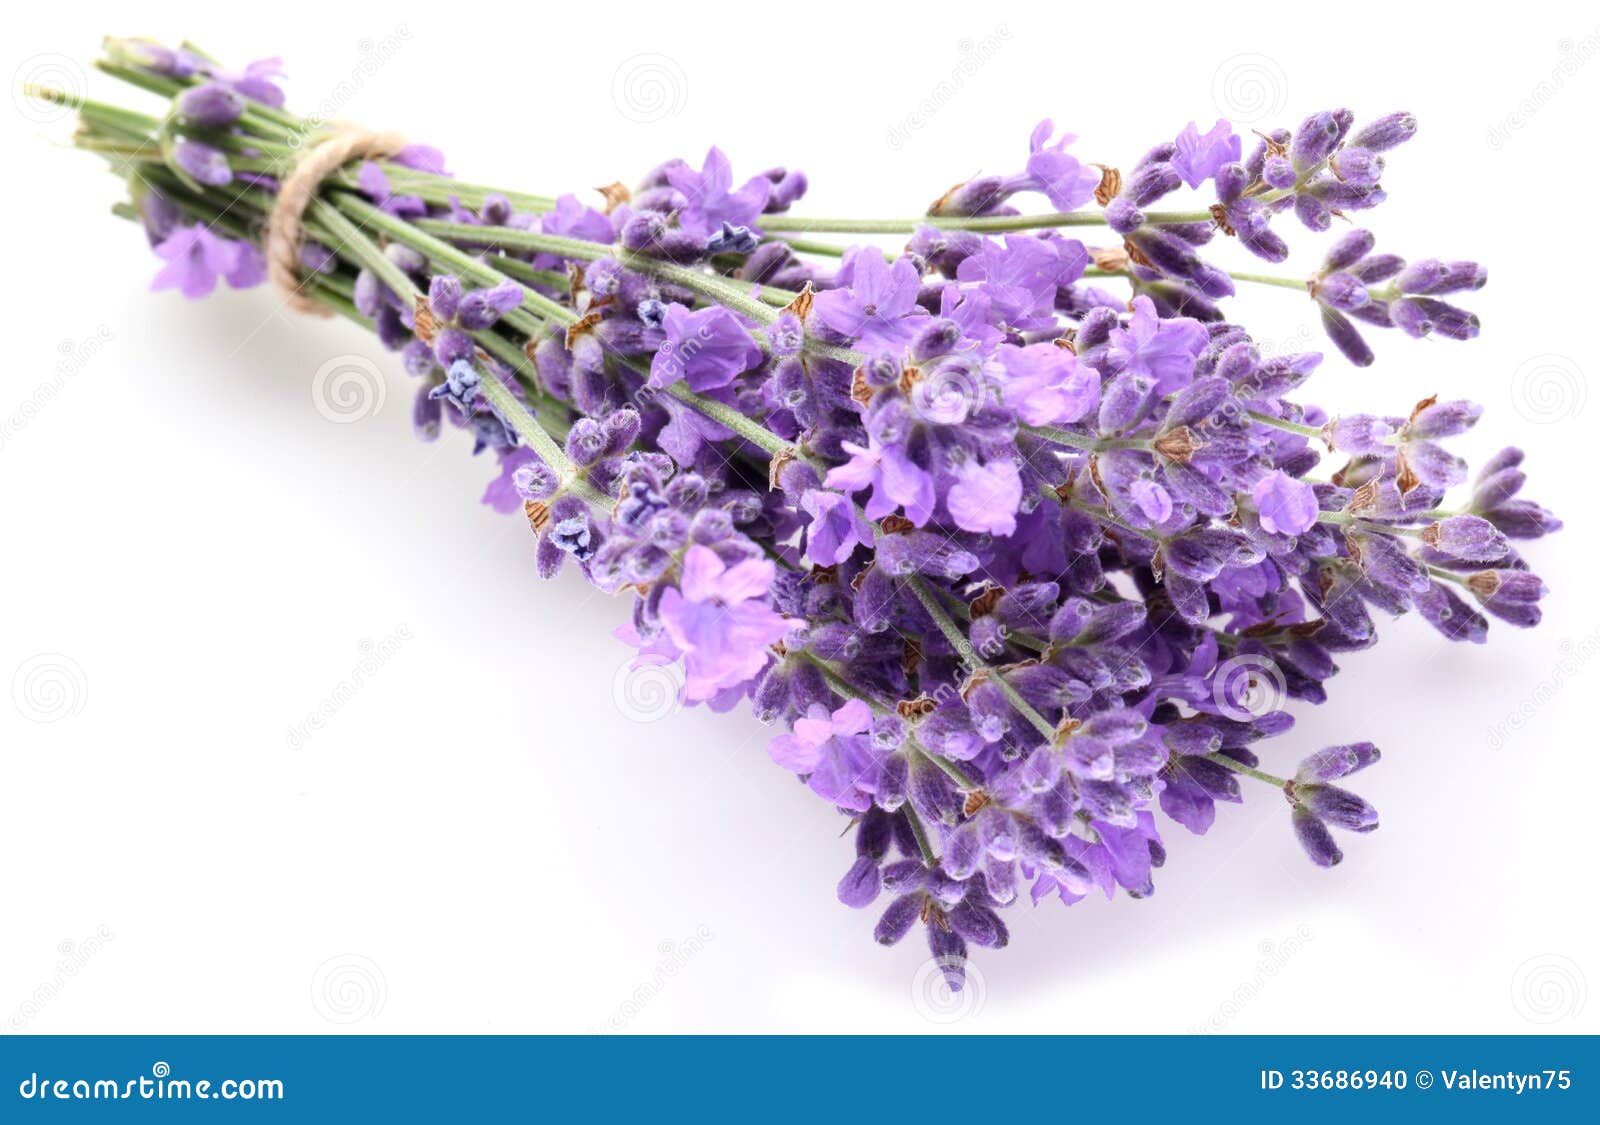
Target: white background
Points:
(481, 838)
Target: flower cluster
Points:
(1016, 564)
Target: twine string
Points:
(299, 188)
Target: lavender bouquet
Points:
(1017, 538)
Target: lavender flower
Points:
(1007, 556)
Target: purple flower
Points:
(196, 258)
(374, 184)
(571, 218)
(710, 203)
(1020, 276)
(1054, 171)
(1151, 499)
(895, 480)
(1162, 350)
(1198, 157)
(719, 619)
(255, 81)
(985, 497)
(1044, 385)
(503, 493)
(1287, 506)
(422, 158)
(836, 529)
(835, 751)
(878, 305)
(708, 347)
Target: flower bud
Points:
(210, 105)
(1386, 132)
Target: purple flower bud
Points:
(1420, 316)
(203, 163)
(1278, 173)
(1356, 165)
(950, 953)
(481, 308)
(1359, 433)
(1378, 267)
(1349, 250)
(1345, 337)
(1312, 212)
(426, 415)
(1444, 609)
(1338, 807)
(939, 337)
(975, 197)
(1511, 595)
(1421, 277)
(586, 442)
(444, 296)
(1385, 561)
(859, 887)
(1386, 132)
(897, 920)
(1337, 761)
(1444, 419)
(535, 480)
(1342, 291)
(933, 794)
(1123, 215)
(210, 105)
(979, 925)
(1231, 180)
(1314, 837)
(1150, 183)
(1314, 140)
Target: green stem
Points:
(993, 223)
(963, 647)
(1271, 279)
(1287, 427)
(1239, 767)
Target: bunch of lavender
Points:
(1013, 560)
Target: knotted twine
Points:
(299, 188)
